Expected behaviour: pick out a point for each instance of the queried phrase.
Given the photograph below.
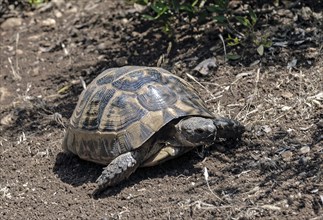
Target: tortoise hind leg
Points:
(119, 169)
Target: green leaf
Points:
(233, 41)
(166, 28)
(141, 2)
(260, 50)
(194, 3)
(244, 21)
(220, 19)
(215, 8)
(253, 16)
(233, 56)
(148, 17)
(159, 7)
(202, 3)
(36, 2)
(268, 44)
(187, 8)
(223, 3)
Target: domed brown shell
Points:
(123, 107)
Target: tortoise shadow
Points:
(76, 172)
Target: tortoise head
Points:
(195, 131)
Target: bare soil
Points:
(275, 172)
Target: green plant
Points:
(36, 2)
(248, 37)
(166, 11)
(219, 11)
(241, 29)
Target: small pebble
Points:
(29, 13)
(72, 10)
(19, 52)
(124, 20)
(305, 150)
(58, 14)
(121, 61)
(287, 155)
(102, 46)
(266, 129)
(286, 108)
(58, 3)
(7, 120)
(10, 23)
(287, 95)
(306, 13)
(35, 71)
(206, 66)
(49, 22)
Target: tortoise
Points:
(136, 116)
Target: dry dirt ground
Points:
(275, 172)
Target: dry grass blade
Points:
(197, 82)
(83, 82)
(251, 99)
(224, 47)
(15, 73)
(206, 176)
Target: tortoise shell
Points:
(123, 107)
